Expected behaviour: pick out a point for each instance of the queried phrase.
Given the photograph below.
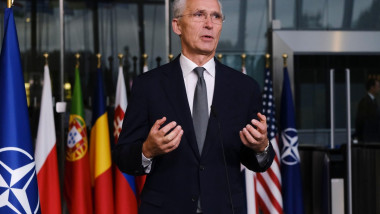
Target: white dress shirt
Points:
(191, 78)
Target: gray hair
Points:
(179, 7)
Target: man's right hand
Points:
(159, 141)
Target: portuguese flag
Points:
(77, 164)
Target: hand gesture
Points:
(255, 137)
(160, 140)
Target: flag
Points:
(125, 186)
(77, 165)
(100, 152)
(145, 68)
(250, 181)
(46, 153)
(243, 69)
(18, 179)
(269, 182)
(250, 187)
(290, 159)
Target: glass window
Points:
(312, 93)
(154, 26)
(335, 13)
(326, 15)
(244, 29)
(285, 11)
(366, 15)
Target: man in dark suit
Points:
(191, 122)
(368, 115)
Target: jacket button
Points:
(201, 167)
(193, 199)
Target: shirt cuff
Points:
(146, 163)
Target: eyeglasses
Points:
(201, 16)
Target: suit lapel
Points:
(174, 86)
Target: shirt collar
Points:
(188, 66)
(371, 95)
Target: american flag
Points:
(268, 184)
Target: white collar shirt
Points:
(191, 79)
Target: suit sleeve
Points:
(127, 153)
(248, 156)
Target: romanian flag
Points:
(77, 165)
(46, 153)
(125, 187)
(18, 182)
(100, 153)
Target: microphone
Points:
(214, 114)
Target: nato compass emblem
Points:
(289, 154)
(18, 186)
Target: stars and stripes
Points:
(269, 183)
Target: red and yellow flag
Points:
(100, 153)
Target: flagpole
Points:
(120, 59)
(267, 61)
(99, 61)
(46, 55)
(243, 56)
(9, 3)
(285, 57)
(170, 57)
(77, 56)
(145, 58)
(219, 57)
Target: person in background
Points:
(368, 115)
(192, 122)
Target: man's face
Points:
(198, 37)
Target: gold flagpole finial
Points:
(121, 56)
(219, 57)
(77, 56)
(170, 57)
(46, 55)
(243, 57)
(9, 3)
(285, 57)
(267, 60)
(99, 56)
(145, 57)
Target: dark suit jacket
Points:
(178, 178)
(368, 120)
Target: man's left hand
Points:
(255, 137)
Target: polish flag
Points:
(46, 153)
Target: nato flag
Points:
(18, 179)
(290, 159)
